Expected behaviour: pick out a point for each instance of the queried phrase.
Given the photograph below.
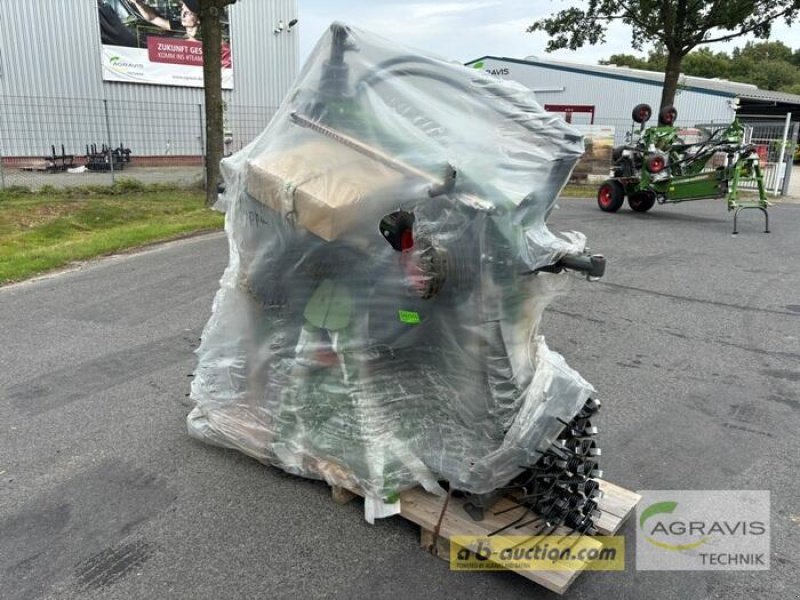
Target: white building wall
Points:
(612, 97)
(52, 91)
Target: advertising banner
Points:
(157, 42)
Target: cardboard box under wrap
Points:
(321, 183)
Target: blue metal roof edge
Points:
(578, 69)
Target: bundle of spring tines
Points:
(561, 489)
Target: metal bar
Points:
(741, 208)
(2, 174)
(733, 187)
(780, 163)
(108, 137)
(380, 156)
(787, 178)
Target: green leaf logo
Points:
(113, 59)
(666, 508)
(478, 65)
(657, 509)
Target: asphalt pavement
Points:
(692, 339)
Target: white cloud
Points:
(426, 10)
(469, 29)
(519, 25)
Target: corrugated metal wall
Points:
(52, 92)
(613, 98)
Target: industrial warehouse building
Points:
(612, 92)
(79, 72)
(599, 99)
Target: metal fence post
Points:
(2, 174)
(781, 164)
(110, 147)
(787, 179)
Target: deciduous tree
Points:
(679, 26)
(769, 65)
(210, 13)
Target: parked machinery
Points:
(58, 162)
(102, 159)
(658, 167)
(378, 324)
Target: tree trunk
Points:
(671, 76)
(212, 80)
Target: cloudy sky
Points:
(463, 30)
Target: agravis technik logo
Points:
(703, 530)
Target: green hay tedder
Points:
(658, 167)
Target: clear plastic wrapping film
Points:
(377, 322)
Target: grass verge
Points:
(48, 230)
(52, 228)
(573, 190)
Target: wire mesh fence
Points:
(58, 142)
(774, 144)
(63, 142)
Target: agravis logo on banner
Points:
(125, 66)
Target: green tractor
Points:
(658, 167)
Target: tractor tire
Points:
(642, 113)
(610, 196)
(667, 116)
(641, 201)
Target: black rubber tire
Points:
(610, 196)
(641, 201)
(667, 116)
(642, 113)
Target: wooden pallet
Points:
(424, 509)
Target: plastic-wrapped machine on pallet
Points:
(378, 324)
